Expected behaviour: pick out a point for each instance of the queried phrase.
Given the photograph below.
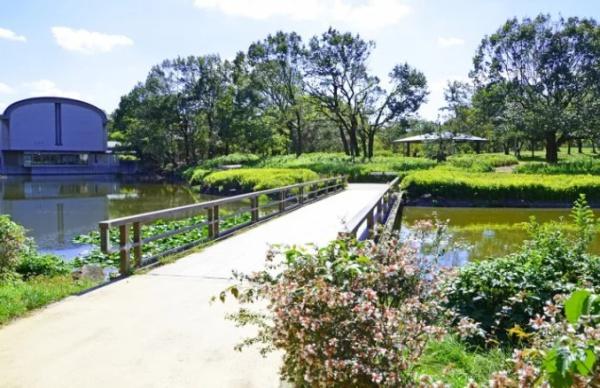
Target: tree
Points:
(547, 68)
(277, 69)
(353, 98)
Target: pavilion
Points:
(454, 137)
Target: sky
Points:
(97, 50)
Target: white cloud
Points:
(88, 42)
(11, 35)
(46, 87)
(5, 89)
(369, 15)
(450, 41)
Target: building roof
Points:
(437, 136)
(34, 100)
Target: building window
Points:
(52, 159)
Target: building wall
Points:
(55, 125)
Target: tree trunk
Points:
(344, 141)
(579, 146)
(569, 147)
(532, 148)
(593, 147)
(371, 145)
(551, 147)
(299, 147)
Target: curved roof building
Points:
(53, 135)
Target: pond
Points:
(480, 233)
(55, 209)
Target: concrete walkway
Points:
(159, 329)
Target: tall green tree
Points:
(338, 78)
(547, 67)
(277, 69)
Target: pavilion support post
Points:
(407, 148)
(137, 241)
(478, 147)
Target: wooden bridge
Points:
(158, 329)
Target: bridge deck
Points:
(158, 329)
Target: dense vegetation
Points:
(460, 185)
(29, 279)
(366, 314)
(255, 179)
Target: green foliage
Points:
(349, 314)
(481, 162)
(35, 264)
(13, 245)
(453, 362)
(458, 185)
(570, 166)
(341, 164)
(18, 297)
(504, 294)
(196, 175)
(235, 158)
(192, 237)
(254, 179)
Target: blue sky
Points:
(97, 50)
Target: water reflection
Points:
(55, 209)
(480, 233)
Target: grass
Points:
(19, 297)
(453, 362)
(460, 185)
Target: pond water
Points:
(55, 209)
(479, 233)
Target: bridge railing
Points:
(369, 222)
(210, 220)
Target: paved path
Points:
(159, 329)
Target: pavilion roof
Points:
(437, 136)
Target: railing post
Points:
(379, 210)
(370, 224)
(282, 201)
(217, 221)
(137, 241)
(104, 238)
(213, 222)
(254, 209)
(301, 195)
(124, 249)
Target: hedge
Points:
(341, 164)
(460, 185)
(254, 179)
(481, 162)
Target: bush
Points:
(563, 351)
(35, 264)
(195, 176)
(254, 179)
(350, 314)
(504, 294)
(570, 166)
(13, 245)
(341, 164)
(481, 162)
(457, 185)
(235, 158)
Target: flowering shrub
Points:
(503, 294)
(350, 314)
(563, 351)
